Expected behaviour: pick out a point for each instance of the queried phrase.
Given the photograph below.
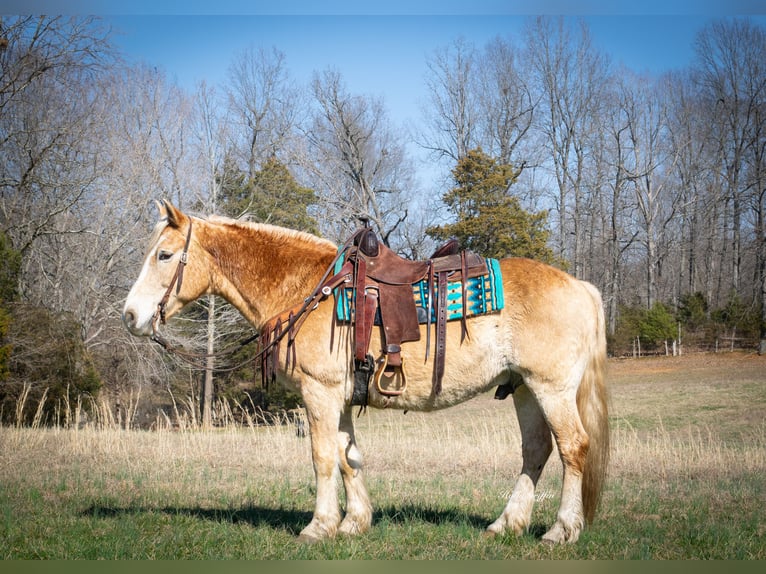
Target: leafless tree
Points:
(505, 102)
(570, 76)
(650, 167)
(358, 162)
(451, 112)
(730, 73)
(263, 103)
(37, 47)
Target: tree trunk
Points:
(207, 383)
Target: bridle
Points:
(176, 281)
(194, 359)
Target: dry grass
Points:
(688, 432)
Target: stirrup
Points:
(397, 375)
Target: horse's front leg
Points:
(358, 517)
(323, 409)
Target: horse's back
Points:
(550, 316)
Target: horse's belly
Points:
(473, 365)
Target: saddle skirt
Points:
(485, 295)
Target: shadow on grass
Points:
(413, 513)
(285, 519)
(293, 521)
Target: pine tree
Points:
(488, 219)
(271, 196)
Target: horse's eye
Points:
(164, 255)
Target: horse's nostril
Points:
(129, 318)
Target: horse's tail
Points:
(594, 413)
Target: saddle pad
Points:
(484, 295)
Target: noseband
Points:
(177, 280)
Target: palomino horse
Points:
(547, 343)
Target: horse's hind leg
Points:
(536, 446)
(358, 508)
(560, 409)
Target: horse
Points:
(547, 345)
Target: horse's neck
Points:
(263, 271)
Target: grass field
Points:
(686, 481)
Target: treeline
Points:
(651, 187)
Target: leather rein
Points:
(292, 318)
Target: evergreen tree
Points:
(658, 325)
(271, 196)
(488, 219)
(10, 265)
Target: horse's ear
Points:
(160, 203)
(170, 213)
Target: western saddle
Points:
(383, 295)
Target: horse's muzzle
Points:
(130, 319)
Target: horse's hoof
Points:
(352, 528)
(548, 541)
(560, 535)
(305, 538)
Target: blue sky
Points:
(380, 48)
(377, 55)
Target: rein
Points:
(286, 323)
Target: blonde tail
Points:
(594, 413)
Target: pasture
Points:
(686, 480)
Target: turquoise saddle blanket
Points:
(484, 295)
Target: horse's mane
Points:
(273, 230)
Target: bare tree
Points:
(452, 109)
(505, 103)
(651, 170)
(47, 66)
(699, 230)
(731, 76)
(209, 131)
(263, 103)
(570, 76)
(37, 47)
(614, 208)
(358, 162)
(727, 71)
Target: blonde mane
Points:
(155, 235)
(273, 230)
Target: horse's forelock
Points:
(155, 236)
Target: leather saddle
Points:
(383, 296)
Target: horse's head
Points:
(170, 277)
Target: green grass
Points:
(686, 481)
